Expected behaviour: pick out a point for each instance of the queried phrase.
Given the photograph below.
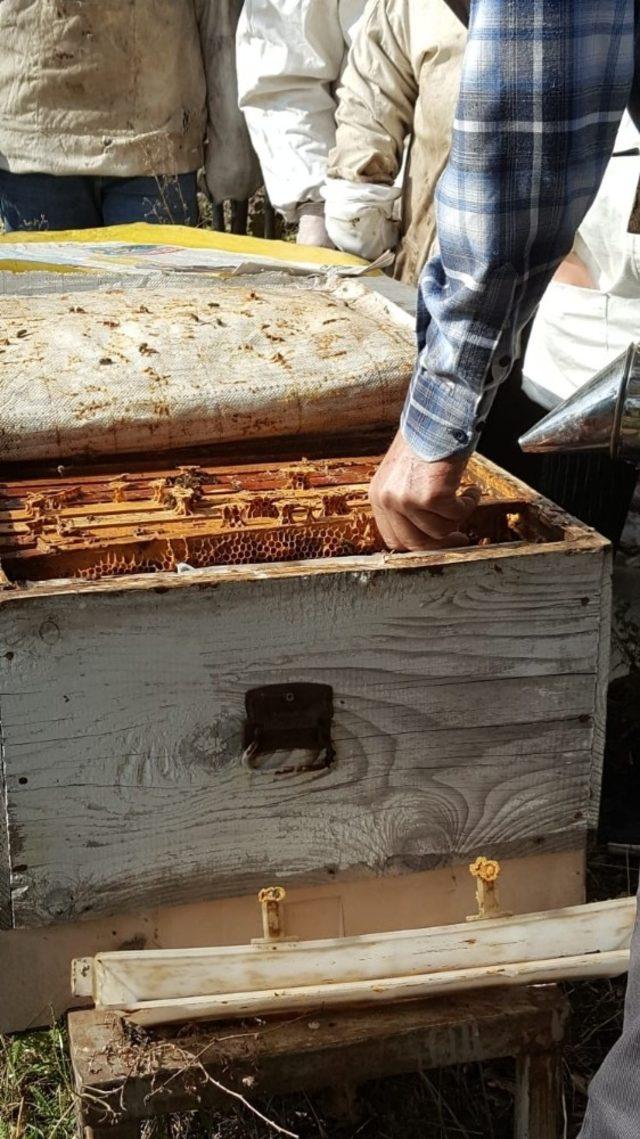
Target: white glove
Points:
(312, 230)
(360, 216)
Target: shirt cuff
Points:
(438, 423)
(443, 418)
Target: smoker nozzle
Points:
(604, 415)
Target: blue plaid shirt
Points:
(544, 86)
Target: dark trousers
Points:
(49, 202)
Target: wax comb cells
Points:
(143, 522)
(151, 520)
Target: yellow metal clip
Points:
(271, 900)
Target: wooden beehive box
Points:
(212, 678)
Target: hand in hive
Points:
(418, 505)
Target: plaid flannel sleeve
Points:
(544, 86)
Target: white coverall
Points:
(290, 55)
(577, 331)
(401, 81)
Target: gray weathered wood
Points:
(601, 690)
(539, 1095)
(464, 701)
(464, 698)
(6, 910)
(301, 1053)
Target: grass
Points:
(36, 1100)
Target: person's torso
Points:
(577, 331)
(102, 70)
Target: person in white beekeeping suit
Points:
(590, 314)
(290, 56)
(400, 86)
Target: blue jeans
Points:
(47, 201)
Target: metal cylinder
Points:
(627, 441)
(604, 415)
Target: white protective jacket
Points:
(290, 55)
(401, 81)
(121, 89)
(577, 331)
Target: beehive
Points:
(213, 678)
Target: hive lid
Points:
(144, 371)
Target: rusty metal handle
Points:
(289, 717)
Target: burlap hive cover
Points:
(102, 373)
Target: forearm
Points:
(292, 144)
(543, 89)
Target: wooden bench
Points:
(124, 1075)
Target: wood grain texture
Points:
(603, 677)
(116, 980)
(538, 1100)
(6, 909)
(289, 1055)
(464, 700)
(352, 993)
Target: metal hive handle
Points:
(288, 717)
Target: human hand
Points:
(417, 504)
(361, 216)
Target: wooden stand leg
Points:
(158, 1128)
(538, 1096)
(370, 1043)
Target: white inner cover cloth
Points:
(122, 371)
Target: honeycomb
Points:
(279, 544)
(110, 526)
(106, 525)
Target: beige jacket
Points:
(401, 81)
(118, 87)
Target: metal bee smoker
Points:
(604, 415)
